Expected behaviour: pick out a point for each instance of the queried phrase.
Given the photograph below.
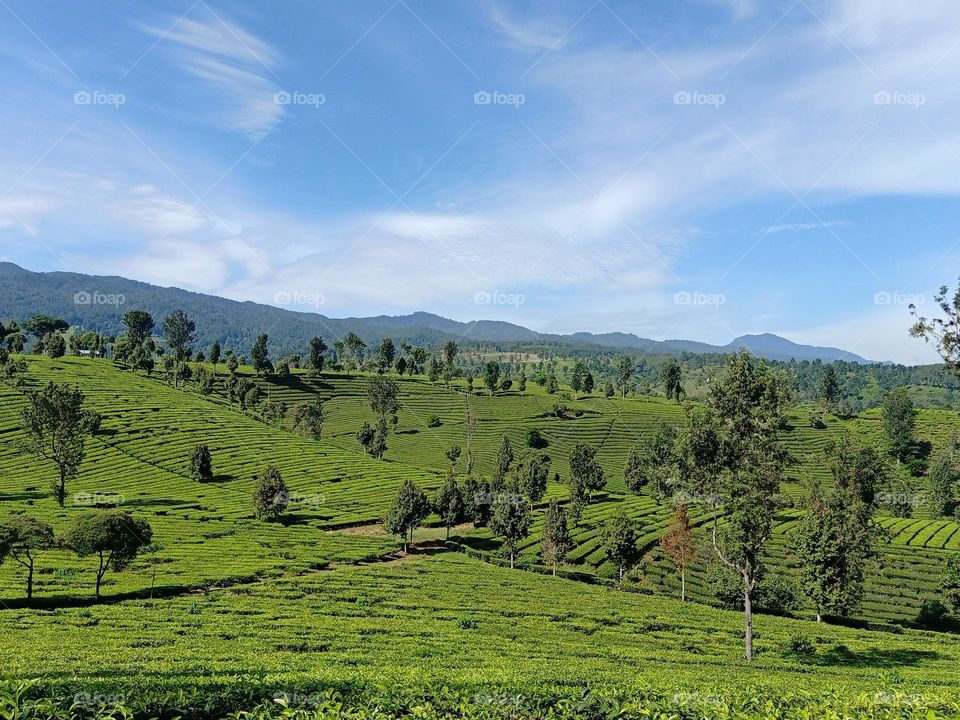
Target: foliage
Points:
(619, 541)
(410, 508)
(115, 536)
(270, 496)
(201, 464)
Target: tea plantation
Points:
(320, 615)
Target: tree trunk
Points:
(748, 625)
(448, 532)
(99, 576)
(554, 569)
(30, 579)
(621, 573)
(62, 487)
(819, 619)
(511, 561)
(683, 586)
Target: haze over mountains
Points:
(98, 303)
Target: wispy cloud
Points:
(234, 65)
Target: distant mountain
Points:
(93, 302)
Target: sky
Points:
(695, 169)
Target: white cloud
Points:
(233, 65)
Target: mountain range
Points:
(98, 303)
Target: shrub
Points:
(535, 439)
(933, 615)
(800, 645)
(433, 421)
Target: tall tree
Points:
(503, 462)
(410, 508)
(388, 351)
(317, 348)
(22, 537)
(308, 418)
(671, 376)
(899, 421)
(139, 326)
(943, 332)
(491, 375)
(53, 419)
(729, 452)
(836, 538)
(270, 495)
(577, 378)
(383, 394)
(116, 537)
(260, 356)
(941, 480)
(214, 356)
(510, 519)
(624, 374)
(179, 331)
(586, 477)
(557, 542)
(201, 464)
(950, 583)
(450, 351)
(619, 541)
(679, 545)
(42, 325)
(635, 473)
(828, 388)
(535, 477)
(354, 348)
(448, 503)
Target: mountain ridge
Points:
(79, 299)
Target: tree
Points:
(671, 376)
(214, 356)
(950, 583)
(54, 423)
(828, 388)
(448, 503)
(450, 351)
(678, 545)
(588, 383)
(619, 541)
(410, 508)
(577, 377)
(552, 385)
(943, 332)
(115, 536)
(386, 355)
(232, 364)
(503, 462)
(586, 477)
(270, 496)
(179, 331)
(308, 418)
(16, 341)
(624, 375)
(42, 325)
(261, 356)
(510, 519)
(453, 454)
(899, 422)
(354, 348)
(317, 348)
(635, 473)
(729, 452)
(21, 537)
(941, 479)
(383, 395)
(55, 346)
(491, 375)
(535, 479)
(419, 358)
(201, 464)
(139, 326)
(557, 542)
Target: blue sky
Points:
(695, 169)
